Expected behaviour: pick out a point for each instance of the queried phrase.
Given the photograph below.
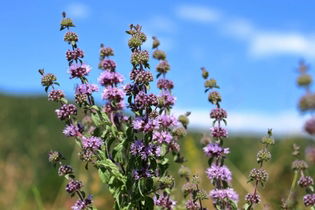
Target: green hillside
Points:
(29, 129)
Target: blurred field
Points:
(29, 129)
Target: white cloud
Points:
(198, 13)
(260, 42)
(282, 43)
(78, 10)
(288, 122)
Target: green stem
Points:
(293, 184)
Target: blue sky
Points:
(251, 47)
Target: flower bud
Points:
(184, 120)
(263, 155)
(299, 165)
(252, 198)
(268, 140)
(140, 57)
(163, 67)
(304, 80)
(309, 126)
(106, 52)
(71, 37)
(64, 170)
(214, 97)
(259, 175)
(307, 102)
(48, 80)
(204, 73)
(305, 181)
(54, 157)
(159, 55)
(66, 23)
(155, 43)
(179, 132)
(309, 200)
(211, 83)
(134, 42)
(56, 95)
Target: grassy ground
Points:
(29, 129)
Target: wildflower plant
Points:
(223, 195)
(259, 176)
(129, 139)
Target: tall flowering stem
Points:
(223, 195)
(259, 175)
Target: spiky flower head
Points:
(64, 170)
(304, 80)
(218, 114)
(140, 58)
(163, 67)
(106, 51)
(259, 175)
(252, 198)
(214, 97)
(71, 37)
(55, 157)
(299, 165)
(191, 205)
(55, 95)
(73, 186)
(268, 140)
(309, 200)
(66, 22)
(263, 155)
(211, 83)
(48, 80)
(305, 181)
(159, 55)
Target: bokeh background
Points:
(252, 48)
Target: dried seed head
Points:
(259, 175)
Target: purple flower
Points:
(219, 173)
(309, 200)
(252, 198)
(55, 95)
(73, 185)
(136, 147)
(214, 150)
(82, 204)
(162, 136)
(219, 132)
(218, 114)
(223, 194)
(86, 89)
(64, 170)
(305, 181)
(77, 70)
(65, 111)
(151, 125)
(108, 64)
(167, 99)
(142, 100)
(165, 84)
(167, 120)
(92, 142)
(109, 78)
(143, 173)
(112, 107)
(71, 130)
(138, 123)
(113, 93)
(74, 54)
(191, 205)
(164, 201)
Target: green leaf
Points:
(149, 203)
